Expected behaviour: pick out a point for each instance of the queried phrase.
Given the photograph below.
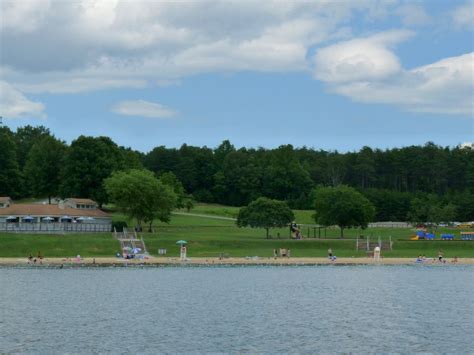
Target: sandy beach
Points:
(106, 261)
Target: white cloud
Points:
(13, 104)
(413, 14)
(72, 46)
(446, 86)
(23, 15)
(143, 108)
(463, 16)
(58, 46)
(360, 59)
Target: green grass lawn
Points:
(53, 245)
(209, 237)
(301, 216)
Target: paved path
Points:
(204, 216)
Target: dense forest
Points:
(416, 183)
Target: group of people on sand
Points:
(331, 256)
(440, 259)
(33, 260)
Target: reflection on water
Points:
(356, 309)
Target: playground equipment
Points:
(423, 235)
(295, 231)
(447, 236)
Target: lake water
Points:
(251, 309)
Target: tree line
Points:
(417, 183)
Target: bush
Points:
(119, 225)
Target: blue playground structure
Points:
(447, 236)
(423, 235)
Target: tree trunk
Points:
(150, 226)
(342, 232)
(49, 199)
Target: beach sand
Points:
(111, 261)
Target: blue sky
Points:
(331, 75)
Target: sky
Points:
(333, 75)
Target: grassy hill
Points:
(209, 237)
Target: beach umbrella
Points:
(11, 217)
(80, 218)
(181, 242)
(90, 218)
(66, 217)
(27, 218)
(48, 218)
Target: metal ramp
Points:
(131, 241)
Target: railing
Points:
(369, 245)
(54, 227)
(390, 225)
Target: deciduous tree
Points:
(43, 167)
(265, 213)
(140, 195)
(343, 206)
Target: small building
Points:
(72, 215)
(81, 203)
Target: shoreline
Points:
(202, 261)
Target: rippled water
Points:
(357, 309)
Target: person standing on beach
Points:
(183, 252)
(440, 256)
(377, 253)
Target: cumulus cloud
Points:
(57, 46)
(24, 15)
(359, 59)
(367, 70)
(13, 104)
(143, 108)
(463, 16)
(63, 46)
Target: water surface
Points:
(251, 309)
